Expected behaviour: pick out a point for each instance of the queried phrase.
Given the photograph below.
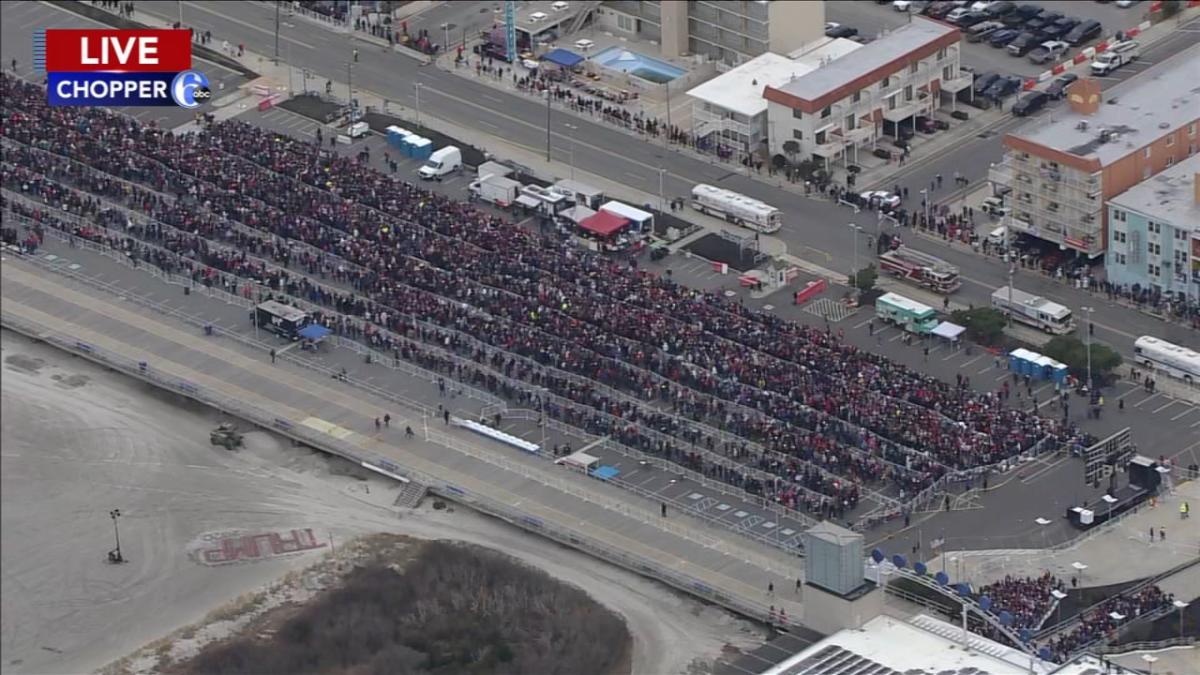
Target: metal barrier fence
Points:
(569, 536)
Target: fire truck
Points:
(921, 269)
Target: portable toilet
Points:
(422, 148)
(1020, 360)
(396, 136)
(1052, 370)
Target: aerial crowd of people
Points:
(806, 420)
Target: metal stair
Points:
(585, 10)
(411, 494)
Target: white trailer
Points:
(1033, 310)
(737, 208)
(1177, 361)
(496, 190)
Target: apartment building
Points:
(844, 106)
(730, 108)
(727, 31)
(1059, 171)
(1154, 232)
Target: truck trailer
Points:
(283, 320)
(906, 313)
(1033, 310)
(496, 190)
(921, 269)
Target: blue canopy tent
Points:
(563, 57)
(312, 334)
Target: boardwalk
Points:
(587, 513)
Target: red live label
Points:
(70, 50)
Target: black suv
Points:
(1030, 103)
(1058, 88)
(1083, 32)
(1025, 43)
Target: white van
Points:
(998, 236)
(358, 130)
(441, 163)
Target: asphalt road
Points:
(814, 230)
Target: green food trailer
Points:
(908, 314)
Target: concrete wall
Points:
(827, 613)
(794, 24)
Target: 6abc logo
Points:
(190, 89)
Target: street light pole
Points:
(350, 83)
(1089, 311)
(572, 128)
(180, 3)
(547, 124)
(417, 86)
(662, 200)
(277, 33)
(854, 272)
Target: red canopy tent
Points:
(604, 224)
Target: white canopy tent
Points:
(949, 331)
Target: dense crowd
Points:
(1027, 599)
(1098, 623)
(822, 408)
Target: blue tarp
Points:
(562, 57)
(606, 472)
(314, 332)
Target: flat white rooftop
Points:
(740, 90)
(1138, 110)
(874, 55)
(1167, 197)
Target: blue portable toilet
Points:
(405, 144)
(396, 136)
(422, 148)
(1020, 361)
(1052, 370)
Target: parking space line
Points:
(1194, 424)
(863, 323)
(972, 361)
(1042, 388)
(1004, 375)
(1190, 410)
(898, 336)
(1168, 405)
(1150, 398)
(951, 355)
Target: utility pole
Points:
(1012, 266)
(277, 33)
(854, 272)
(662, 200)
(180, 13)
(350, 84)
(417, 86)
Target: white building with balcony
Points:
(843, 107)
(730, 108)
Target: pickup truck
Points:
(1117, 56)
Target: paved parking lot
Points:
(872, 19)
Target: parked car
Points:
(971, 19)
(1083, 32)
(1002, 87)
(1061, 27)
(956, 14)
(1002, 8)
(1042, 20)
(1058, 88)
(981, 31)
(1127, 3)
(1003, 37)
(982, 82)
(1048, 51)
(982, 5)
(837, 30)
(939, 10)
(883, 197)
(901, 5)
(1030, 103)
(1020, 15)
(1024, 43)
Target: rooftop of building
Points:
(740, 89)
(923, 645)
(1168, 197)
(873, 56)
(1132, 114)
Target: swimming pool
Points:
(638, 65)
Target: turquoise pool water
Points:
(639, 65)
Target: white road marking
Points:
(488, 124)
(247, 24)
(1168, 405)
(972, 361)
(1151, 398)
(1190, 410)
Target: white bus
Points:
(737, 208)
(1177, 361)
